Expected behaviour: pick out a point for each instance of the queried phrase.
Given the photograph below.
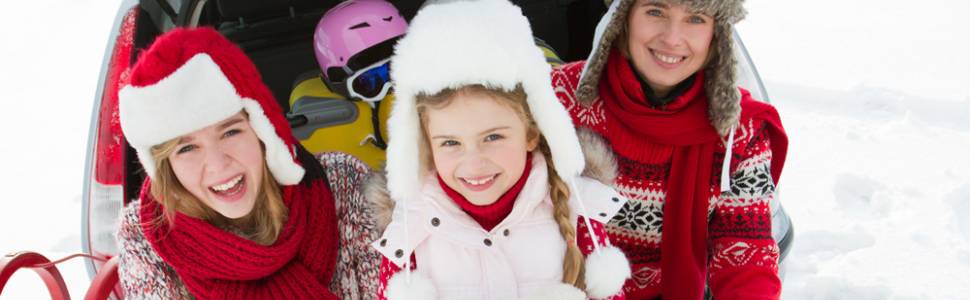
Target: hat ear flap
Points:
(147, 161)
(280, 158)
(721, 80)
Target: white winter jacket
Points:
(521, 257)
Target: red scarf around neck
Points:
(489, 216)
(683, 124)
(216, 264)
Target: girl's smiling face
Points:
(479, 145)
(221, 165)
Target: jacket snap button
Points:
(506, 232)
(603, 215)
(383, 242)
(615, 199)
(399, 253)
(435, 222)
(488, 242)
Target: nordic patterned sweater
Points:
(144, 275)
(743, 256)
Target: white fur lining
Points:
(279, 157)
(194, 96)
(450, 45)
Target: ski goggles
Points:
(371, 83)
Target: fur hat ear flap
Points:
(606, 271)
(419, 287)
(721, 81)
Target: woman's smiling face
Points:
(221, 165)
(667, 43)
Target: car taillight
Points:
(105, 177)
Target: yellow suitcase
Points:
(324, 121)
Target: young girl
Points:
(233, 207)
(484, 170)
(699, 157)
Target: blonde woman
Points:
(233, 207)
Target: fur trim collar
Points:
(721, 84)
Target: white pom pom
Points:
(420, 287)
(561, 291)
(606, 271)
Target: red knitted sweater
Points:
(742, 256)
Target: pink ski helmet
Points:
(355, 35)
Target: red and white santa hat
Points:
(193, 78)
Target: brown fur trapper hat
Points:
(721, 77)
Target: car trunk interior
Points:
(277, 35)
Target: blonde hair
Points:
(573, 264)
(262, 225)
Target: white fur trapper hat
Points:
(451, 44)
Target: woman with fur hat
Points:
(484, 195)
(698, 157)
(233, 207)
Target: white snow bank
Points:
(959, 199)
(877, 186)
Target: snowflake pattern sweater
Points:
(742, 255)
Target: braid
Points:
(572, 265)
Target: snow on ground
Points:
(878, 186)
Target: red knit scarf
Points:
(216, 264)
(764, 112)
(488, 216)
(683, 124)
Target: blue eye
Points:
(449, 143)
(185, 149)
(695, 19)
(493, 137)
(655, 12)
